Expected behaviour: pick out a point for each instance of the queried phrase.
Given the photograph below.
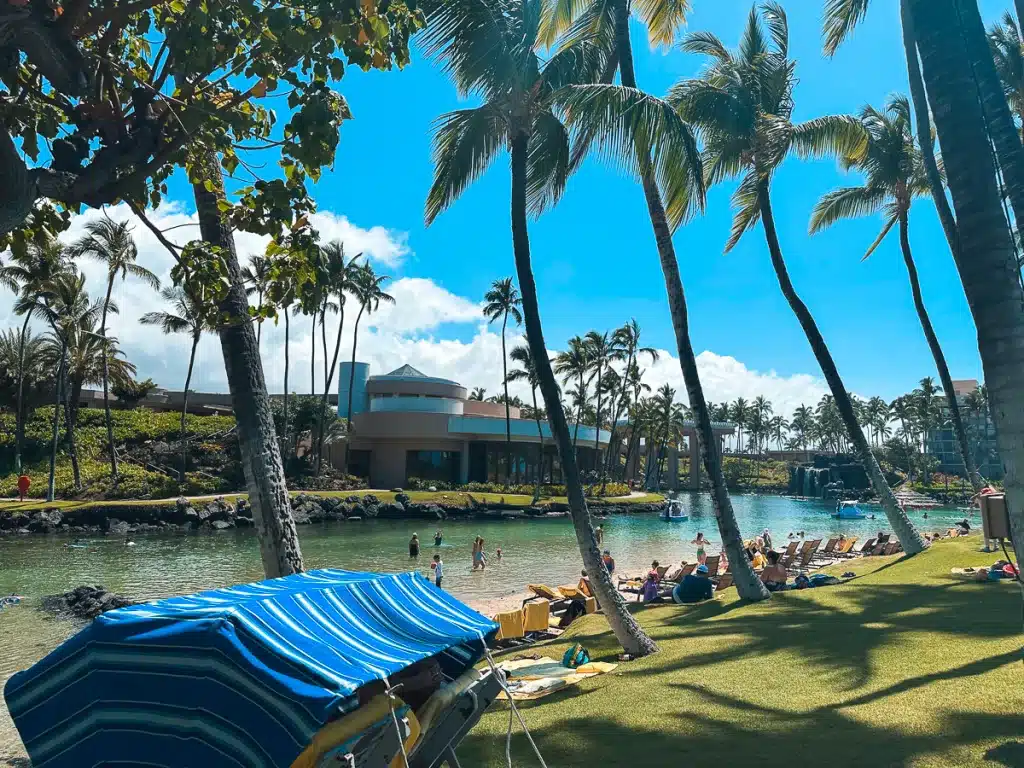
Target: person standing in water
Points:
(438, 567)
(438, 538)
(479, 559)
(600, 536)
(414, 546)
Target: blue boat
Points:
(674, 512)
(848, 510)
(285, 672)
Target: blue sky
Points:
(594, 255)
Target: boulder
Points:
(220, 525)
(85, 602)
(45, 520)
(352, 499)
(371, 499)
(433, 510)
(391, 511)
(396, 490)
(300, 515)
(117, 527)
(218, 509)
(244, 509)
(402, 498)
(243, 522)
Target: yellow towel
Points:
(543, 590)
(591, 605)
(510, 625)
(535, 616)
(572, 593)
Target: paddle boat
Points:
(674, 513)
(848, 510)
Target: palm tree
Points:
(503, 300)
(30, 360)
(527, 372)
(747, 129)
(602, 351)
(488, 47)
(111, 243)
(613, 113)
(257, 279)
(1008, 53)
(190, 314)
(941, 40)
(627, 340)
(341, 282)
(28, 274)
(313, 300)
(573, 365)
(803, 423)
(478, 394)
(762, 412)
(367, 287)
(895, 177)
(740, 413)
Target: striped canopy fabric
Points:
(238, 676)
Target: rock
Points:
(203, 513)
(118, 527)
(396, 490)
(402, 498)
(45, 520)
(432, 489)
(435, 511)
(243, 508)
(220, 525)
(243, 522)
(391, 511)
(371, 499)
(300, 515)
(85, 602)
(353, 499)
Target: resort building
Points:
(981, 434)
(406, 424)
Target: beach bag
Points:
(576, 656)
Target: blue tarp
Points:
(238, 676)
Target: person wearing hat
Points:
(694, 587)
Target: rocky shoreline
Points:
(221, 514)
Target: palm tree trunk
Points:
(284, 417)
(312, 359)
(259, 325)
(908, 535)
(69, 431)
(184, 410)
(106, 381)
(924, 131)
(597, 421)
(990, 277)
(352, 369)
(54, 440)
(747, 582)
(940, 358)
(19, 417)
(1001, 128)
(540, 452)
(626, 629)
(579, 416)
(328, 378)
(508, 421)
(1019, 7)
(261, 458)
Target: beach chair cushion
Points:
(543, 590)
(536, 616)
(591, 605)
(510, 625)
(572, 593)
(446, 695)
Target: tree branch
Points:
(174, 249)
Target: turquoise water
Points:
(534, 551)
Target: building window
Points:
(442, 466)
(359, 463)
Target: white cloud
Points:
(417, 329)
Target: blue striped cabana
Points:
(238, 676)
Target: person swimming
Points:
(438, 537)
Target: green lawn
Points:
(905, 665)
(438, 497)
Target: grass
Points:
(904, 665)
(459, 498)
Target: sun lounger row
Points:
(549, 608)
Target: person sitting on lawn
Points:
(774, 575)
(695, 587)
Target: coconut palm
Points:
(971, 117)
(341, 281)
(895, 178)
(478, 394)
(368, 289)
(602, 351)
(627, 340)
(28, 273)
(191, 315)
(740, 413)
(256, 275)
(111, 243)
(742, 106)
(803, 423)
(631, 126)
(527, 372)
(314, 300)
(1008, 53)
(488, 47)
(502, 301)
(574, 365)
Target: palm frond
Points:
(706, 44)
(748, 209)
(841, 16)
(663, 18)
(143, 274)
(547, 163)
(465, 143)
(557, 17)
(752, 43)
(846, 203)
(881, 236)
(710, 109)
(469, 38)
(778, 25)
(830, 136)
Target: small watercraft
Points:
(848, 510)
(673, 513)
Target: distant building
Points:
(981, 434)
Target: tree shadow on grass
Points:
(716, 729)
(839, 635)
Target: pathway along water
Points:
(534, 551)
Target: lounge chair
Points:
(844, 549)
(892, 548)
(712, 564)
(724, 582)
(791, 549)
(573, 593)
(866, 547)
(511, 627)
(829, 547)
(544, 592)
(458, 708)
(536, 616)
(806, 554)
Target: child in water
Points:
(437, 538)
(497, 553)
(438, 567)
